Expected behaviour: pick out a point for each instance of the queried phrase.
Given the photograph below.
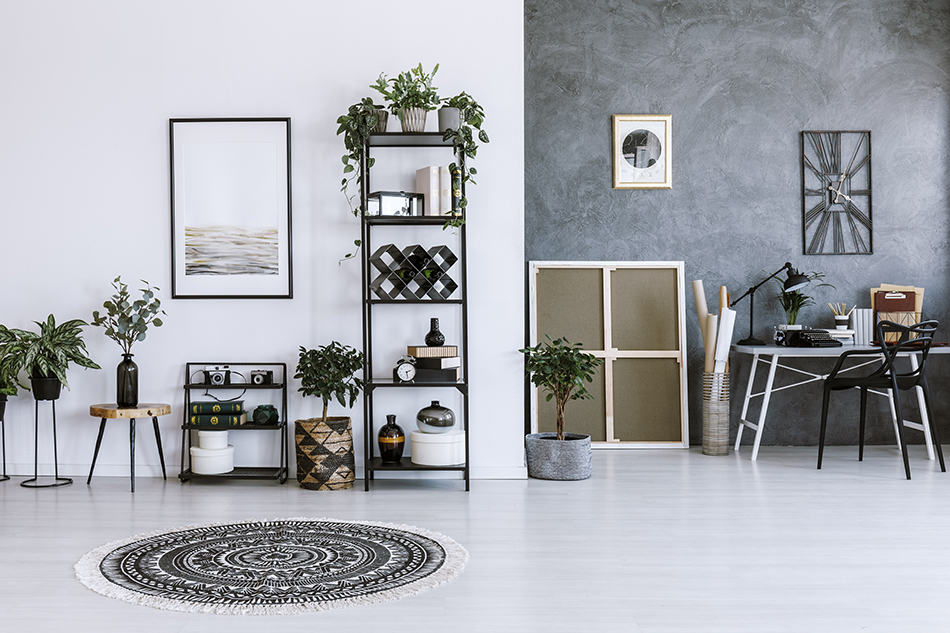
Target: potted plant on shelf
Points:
(45, 355)
(792, 302)
(467, 127)
(411, 96)
(562, 369)
(325, 458)
(125, 322)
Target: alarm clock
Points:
(405, 369)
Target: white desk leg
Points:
(745, 403)
(890, 402)
(922, 406)
(765, 406)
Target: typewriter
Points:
(810, 338)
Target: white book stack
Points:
(862, 322)
(445, 191)
(427, 183)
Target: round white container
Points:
(213, 461)
(437, 449)
(213, 440)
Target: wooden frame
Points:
(610, 353)
(233, 255)
(659, 173)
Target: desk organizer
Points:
(715, 413)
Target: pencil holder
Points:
(715, 414)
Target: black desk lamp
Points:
(793, 281)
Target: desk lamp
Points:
(794, 281)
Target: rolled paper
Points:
(699, 294)
(723, 299)
(711, 320)
(724, 338)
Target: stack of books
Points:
(216, 415)
(436, 364)
(845, 336)
(435, 184)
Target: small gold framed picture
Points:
(643, 151)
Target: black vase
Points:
(392, 441)
(434, 338)
(127, 383)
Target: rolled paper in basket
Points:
(723, 305)
(702, 311)
(724, 338)
(711, 320)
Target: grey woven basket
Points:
(715, 414)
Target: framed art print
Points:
(643, 151)
(230, 208)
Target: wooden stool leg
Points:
(132, 450)
(158, 440)
(95, 455)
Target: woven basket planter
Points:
(715, 414)
(325, 453)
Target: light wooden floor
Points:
(655, 542)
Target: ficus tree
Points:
(328, 372)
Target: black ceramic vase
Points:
(434, 338)
(392, 441)
(127, 383)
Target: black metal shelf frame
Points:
(278, 473)
(373, 462)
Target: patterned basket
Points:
(715, 414)
(325, 453)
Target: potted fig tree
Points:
(411, 96)
(125, 321)
(560, 368)
(45, 355)
(325, 458)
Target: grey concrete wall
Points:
(741, 78)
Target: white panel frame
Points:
(611, 354)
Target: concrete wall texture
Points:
(741, 79)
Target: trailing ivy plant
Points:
(410, 89)
(471, 118)
(127, 321)
(560, 368)
(46, 354)
(356, 125)
(328, 372)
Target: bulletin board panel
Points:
(632, 315)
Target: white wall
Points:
(88, 88)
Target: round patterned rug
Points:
(272, 567)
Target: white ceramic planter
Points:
(413, 119)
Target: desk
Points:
(770, 355)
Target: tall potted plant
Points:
(325, 458)
(411, 96)
(125, 322)
(561, 369)
(45, 355)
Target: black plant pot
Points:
(46, 388)
(127, 383)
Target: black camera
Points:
(217, 375)
(262, 377)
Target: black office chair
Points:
(886, 376)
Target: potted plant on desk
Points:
(45, 355)
(125, 322)
(792, 302)
(325, 445)
(562, 369)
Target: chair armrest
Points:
(848, 354)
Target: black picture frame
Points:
(823, 154)
(177, 291)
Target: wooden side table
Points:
(113, 412)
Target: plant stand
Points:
(34, 482)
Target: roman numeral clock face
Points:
(836, 192)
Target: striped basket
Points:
(715, 414)
(324, 453)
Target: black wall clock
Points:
(836, 192)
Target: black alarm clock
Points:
(405, 369)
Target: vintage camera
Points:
(262, 377)
(217, 375)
